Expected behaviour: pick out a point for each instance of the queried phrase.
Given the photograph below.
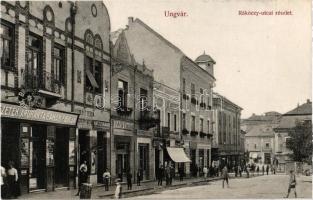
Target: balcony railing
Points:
(194, 133)
(124, 110)
(148, 120)
(202, 134)
(185, 131)
(202, 105)
(41, 80)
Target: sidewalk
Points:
(147, 187)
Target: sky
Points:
(263, 63)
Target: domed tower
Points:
(206, 62)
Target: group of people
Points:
(167, 172)
(9, 182)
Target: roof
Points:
(205, 58)
(261, 130)
(304, 109)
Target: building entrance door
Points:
(37, 158)
(122, 161)
(61, 157)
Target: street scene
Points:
(156, 100)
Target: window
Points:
(208, 124)
(288, 142)
(93, 80)
(58, 64)
(201, 96)
(201, 124)
(122, 93)
(184, 121)
(143, 99)
(34, 60)
(267, 145)
(193, 89)
(169, 121)
(175, 123)
(7, 45)
(193, 123)
(254, 146)
(184, 85)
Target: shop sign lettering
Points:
(17, 112)
(122, 125)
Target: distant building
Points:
(227, 135)
(288, 121)
(259, 138)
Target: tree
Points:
(301, 142)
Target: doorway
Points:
(122, 161)
(84, 148)
(61, 157)
(101, 148)
(37, 158)
(9, 144)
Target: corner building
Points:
(55, 69)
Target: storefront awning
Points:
(177, 154)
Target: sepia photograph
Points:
(159, 99)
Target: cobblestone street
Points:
(272, 186)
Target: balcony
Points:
(194, 100)
(44, 82)
(124, 111)
(203, 105)
(209, 107)
(185, 131)
(202, 134)
(185, 96)
(148, 120)
(194, 133)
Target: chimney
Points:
(130, 20)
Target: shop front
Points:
(123, 145)
(41, 143)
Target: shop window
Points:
(58, 64)
(122, 93)
(7, 45)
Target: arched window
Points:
(89, 37)
(98, 42)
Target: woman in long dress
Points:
(12, 179)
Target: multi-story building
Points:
(287, 122)
(55, 67)
(259, 137)
(227, 133)
(133, 117)
(171, 67)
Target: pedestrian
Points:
(160, 175)
(83, 176)
(181, 173)
(225, 175)
(12, 180)
(172, 174)
(239, 171)
(118, 190)
(129, 180)
(257, 170)
(168, 174)
(3, 183)
(236, 170)
(205, 172)
(292, 183)
(262, 169)
(139, 176)
(106, 179)
(247, 170)
(267, 169)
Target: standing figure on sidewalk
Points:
(225, 175)
(262, 169)
(129, 180)
(292, 183)
(205, 172)
(83, 176)
(12, 178)
(3, 183)
(139, 176)
(160, 175)
(181, 173)
(118, 190)
(106, 179)
(167, 174)
(239, 170)
(172, 173)
(267, 169)
(257, 170)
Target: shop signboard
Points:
(40, 115)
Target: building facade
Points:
(259, 138)
(287, 122)
(227, 132)
(133, 119)
(171, 67)
(55, 68)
